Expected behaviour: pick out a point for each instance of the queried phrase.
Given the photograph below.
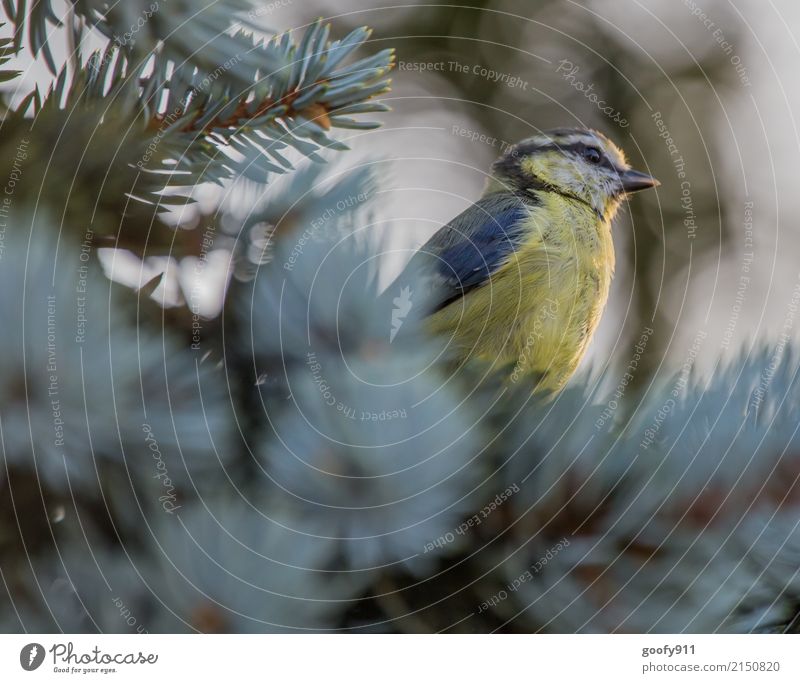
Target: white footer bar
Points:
(405, 658)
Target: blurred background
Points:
(701, 93)
(693, 257)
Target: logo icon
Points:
(402, 307)
(31, 656)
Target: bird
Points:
(521, 277)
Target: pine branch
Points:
(189, 34)
(208, 135)
(7, 50)
(227, 133)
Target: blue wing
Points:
(475, 244)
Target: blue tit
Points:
(521, 278)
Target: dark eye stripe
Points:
(577, 148)
(527, 149)
(509, 163)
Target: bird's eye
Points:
(592, 155)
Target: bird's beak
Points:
(633, 181)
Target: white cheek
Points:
(599, 193)
(598, 199)
(570, 177)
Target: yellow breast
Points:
(540, 310)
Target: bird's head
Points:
(582, 164)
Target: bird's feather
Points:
(475, 244)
